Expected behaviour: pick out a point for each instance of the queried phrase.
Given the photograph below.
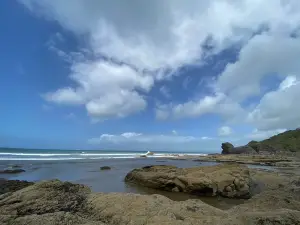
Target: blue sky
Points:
(160, 75)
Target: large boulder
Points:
(229, 180)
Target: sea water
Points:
(36, 154)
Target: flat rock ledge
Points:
(227, 180)
(56, 203)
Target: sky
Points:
(148, 75)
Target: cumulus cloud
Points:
(171, 142)
(133, 44)
(263, 55)
(216, 104)
(258, 135)
(132, 137)
(278, 109)
(225, 131)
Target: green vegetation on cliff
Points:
(288, 141)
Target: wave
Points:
(83, 155)
(33, 154)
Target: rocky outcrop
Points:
(229, 180)
(287, 143)
(228, 148)
(254, 159)
(56, 202)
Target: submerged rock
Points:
(229, 180)
(12, 171)
(105, 168)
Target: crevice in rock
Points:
(206, 191)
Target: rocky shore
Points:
(54, 202)
(269, 196)
(227, 180)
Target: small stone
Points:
(245, 188)
(236, 182)
(242, 184)
(175, 189)
(228, 189)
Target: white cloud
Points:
(133, 44)
(118, 104)
(105, 88)
(263, 55)
(216, 104)
(174, 132)
(288, 82)
(65, 96)
(158, 37)
(131, 137)
(206, 138)
(198, 107)
(225, 131)
(278, 109)
(257, 135)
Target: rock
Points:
(55, 202)
(105, 168)
(175, 189)
(54, 196)
(227, 147)
(12, 171)
(12, 185)
(206, 181)
(228, 189)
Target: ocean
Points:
(35, 154)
